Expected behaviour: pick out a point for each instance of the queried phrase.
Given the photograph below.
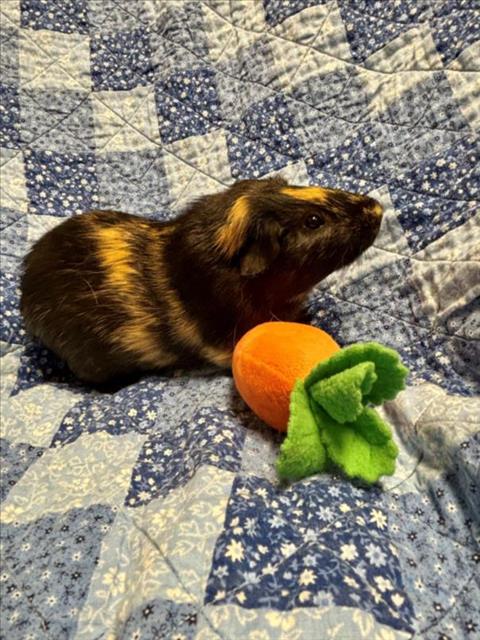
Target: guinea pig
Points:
(113, 293)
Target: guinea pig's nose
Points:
(371, 207)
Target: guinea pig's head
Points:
(300, 233)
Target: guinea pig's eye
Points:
(313, 221)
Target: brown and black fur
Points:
(113, 293)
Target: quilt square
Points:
(187, 104)
(438, 195)
(452, 363)
(9, 57)
(430, 103)
(207, 153)
(355, 94)
(55, 120)
(317, 131)
(244, 14)
(236, 97)
(130, 409)
(9, 117)
(402, 11)
(426, 218)
(52, 575)
(67, 16)
(50, 59)
(121, 60)
(60, 184)
(252, 158)
(169, 57)
(100, 476)
(253, 63)
(13, 191)
(182, 24)
(111, 15)
(125, 120)
(270, 121)
(403, 150)
(367, 290)
(264, 140)
(144, 593)
(13, 233)
(354, 165)
(134, 182)
(323, 90)
(430, 533)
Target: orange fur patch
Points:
(135, 335)
(115, 255)
(310, 194)
(219, 357)
(231, 235)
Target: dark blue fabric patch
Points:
(60, 184)
(67, 16)
(43, 587)
(170, 458)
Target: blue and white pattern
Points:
(178, 100)
(155, 511)
(9, 117)
(59, 183)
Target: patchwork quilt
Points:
(155, 512)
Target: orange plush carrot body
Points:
(270, 358)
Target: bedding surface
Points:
(155, 512)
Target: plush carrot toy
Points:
(297, 379)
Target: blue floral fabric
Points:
(155, 511)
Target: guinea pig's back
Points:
(58, 271)
(86, 293)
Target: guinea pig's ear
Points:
(256, 243)
(231, 236)
(262, 249)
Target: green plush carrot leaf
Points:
(342, 394)
(302, 453)
(370, 426)
(362, 449)
(331, 422)
(391, 373)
